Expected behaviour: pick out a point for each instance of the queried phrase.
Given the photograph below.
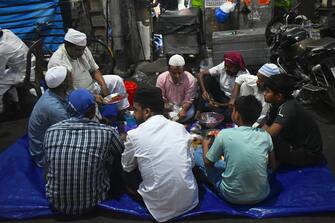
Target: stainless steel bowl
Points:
(210, 119)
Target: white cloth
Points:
(81, 70)
(115, 84)
(76, 37)
(161, 150)
(226, 81)
(177, 61)
(249, 87)
(55, 76)
(13, 57)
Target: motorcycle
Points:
(311, 62)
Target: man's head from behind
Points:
(247, 110)
(83, 103)
(75, 43)
(148, 102)
(176, 68)
(278, 89)
(266, 71)
(58, 79)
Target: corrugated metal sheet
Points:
(21, 17)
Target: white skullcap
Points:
(177, 61)
(76, 37)
(269, 69)
(55, 76)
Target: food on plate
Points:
(196, 140)
(213, 133)
(210, 119)
(114, 98)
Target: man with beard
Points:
(51, 108)
(157, 159)
(178, 88)
(77, 58)
(217, 83)
(247, 84)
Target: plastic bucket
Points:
(131, 88)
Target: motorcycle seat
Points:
(318, 45)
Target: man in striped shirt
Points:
(80, 156)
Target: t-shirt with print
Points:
(226, 81)
(245, 178)
(299, 127)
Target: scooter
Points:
(311, 62)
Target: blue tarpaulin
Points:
(300, 191)
(22, 17)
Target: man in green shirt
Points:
(247, 152)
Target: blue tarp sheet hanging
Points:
(22, 16)
(301, 191)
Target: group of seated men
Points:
(83, 159)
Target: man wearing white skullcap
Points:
(76, 37)
(78, 59)
(178, 89)
(52, 107)
(248, 84)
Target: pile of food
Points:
(210, 119)
(213, 133)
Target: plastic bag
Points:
(222, 13)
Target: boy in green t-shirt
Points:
(247, 152)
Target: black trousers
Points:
(132, 180)
(295, 156)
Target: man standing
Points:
(178, 87)
(52, 107)
(77, 58)
(157, 159)
(80, 157)
(13, 56)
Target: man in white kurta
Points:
(248, 84)
(78, 59)
(13, 56)
(160, 150)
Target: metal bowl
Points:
(210, 119)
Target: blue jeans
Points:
(213, 174)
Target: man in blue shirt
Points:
(51, 108)
(247, 152)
